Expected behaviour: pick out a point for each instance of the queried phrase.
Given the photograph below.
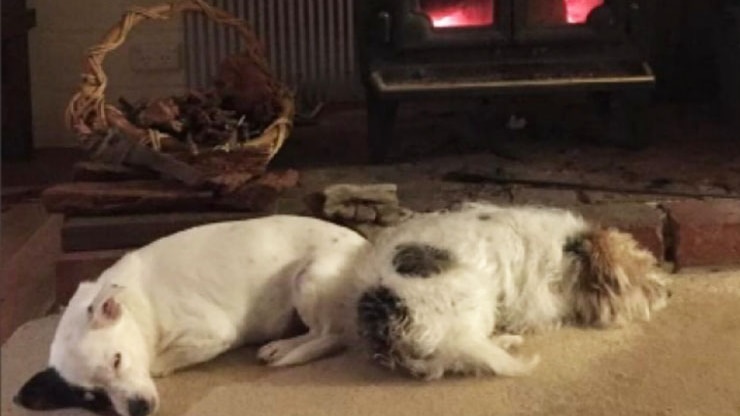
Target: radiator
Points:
(309, 43)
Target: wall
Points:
(64, 31)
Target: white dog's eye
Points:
(117, 360)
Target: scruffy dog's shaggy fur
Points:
(453, 291)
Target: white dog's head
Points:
(99, 356)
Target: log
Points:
(104, 172)
(118, 149)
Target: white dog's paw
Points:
(274, 351)
(508, 341)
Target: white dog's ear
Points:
(105, 309)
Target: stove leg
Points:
(381, 116)
(628, 121)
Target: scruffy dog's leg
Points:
(508, 341)
(485, 356)
(491, 357)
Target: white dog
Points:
(453, 289)
(189, 297)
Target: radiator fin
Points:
(309, 44)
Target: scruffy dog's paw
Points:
(160, 371)
(273, 351)
(508, 341)
(529, 364)
(533, 362)
(520, 367)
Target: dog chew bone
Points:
(362, 203)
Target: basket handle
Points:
(86, 111)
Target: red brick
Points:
(73, 268)
(643, 221)
(705, 233)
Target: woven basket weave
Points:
(91, 117)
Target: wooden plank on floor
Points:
(128, 231)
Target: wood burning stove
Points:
(417, 49)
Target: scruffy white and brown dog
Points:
(453, 291)
(189, 297)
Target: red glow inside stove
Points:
(577, 10)
(458, 13)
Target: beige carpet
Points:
(685, 362)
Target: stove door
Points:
(545, 21)
(424, 24)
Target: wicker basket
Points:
(93, 119)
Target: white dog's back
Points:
(232, 271)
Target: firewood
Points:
(118, 149)
(162, 113)
(105, 172)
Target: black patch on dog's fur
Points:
(574, 245)
(47, 390)
(380, 314)
(484, 217)
(420, 260)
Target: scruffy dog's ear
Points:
(47, 390)
(618, 280)
(105, 308)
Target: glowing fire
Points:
(454, 19)
(480, 12)
(468, 13)
(578, 10)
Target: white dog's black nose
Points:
(139, 407)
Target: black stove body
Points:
(421, 49)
